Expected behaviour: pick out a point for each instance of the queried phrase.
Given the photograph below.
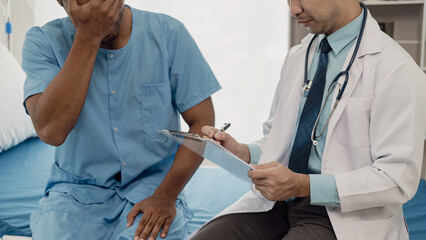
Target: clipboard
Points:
(210, 149)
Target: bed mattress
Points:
(24, 171)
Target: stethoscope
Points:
(307, 85)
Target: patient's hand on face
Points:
(94, 19)
(227, 141)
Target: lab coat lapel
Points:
(284, 124)
(370, 44)
(354, 77)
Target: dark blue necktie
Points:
(300, 152)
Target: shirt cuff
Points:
(324, 190)
(255, 153)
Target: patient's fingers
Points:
(111, 2)
(118, 5)
(143, 225)
(154, 233)
(72, 5)
(166, 227)
(132, 215)
(106, 2)
(146, 228)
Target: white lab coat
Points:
(374, 144)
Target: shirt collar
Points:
(342, 37)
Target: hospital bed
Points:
(24, 170)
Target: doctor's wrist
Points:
(302, 185)
(243, 152)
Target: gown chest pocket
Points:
(157, 108)
(353, 127)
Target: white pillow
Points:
(15, 124)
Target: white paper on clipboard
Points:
(213, 151)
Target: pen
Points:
(224, 127)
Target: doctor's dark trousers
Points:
(287, 221)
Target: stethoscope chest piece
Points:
(306, 87)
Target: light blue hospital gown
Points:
(114, 157)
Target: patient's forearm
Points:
(187, 162)
(184, 166)
(56, 111)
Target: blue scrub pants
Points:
(62, 216)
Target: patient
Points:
(99, 85)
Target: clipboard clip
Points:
(186, 134)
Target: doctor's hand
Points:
(277, 183)
(158, 212)
(94, 19)
(228, 142)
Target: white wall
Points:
(3, 14)
(24, 14)
(245, 42)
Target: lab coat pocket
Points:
(157, 108)
(353, 127)
(385, 229)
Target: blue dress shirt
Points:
(114, 147)
(323, 187)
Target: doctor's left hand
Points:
(277, 183)
(158, 212)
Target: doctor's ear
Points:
(60, 2)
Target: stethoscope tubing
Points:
(335, 80)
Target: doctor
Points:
(339, 158)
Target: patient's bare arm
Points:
(55, 111)
(159, 209)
